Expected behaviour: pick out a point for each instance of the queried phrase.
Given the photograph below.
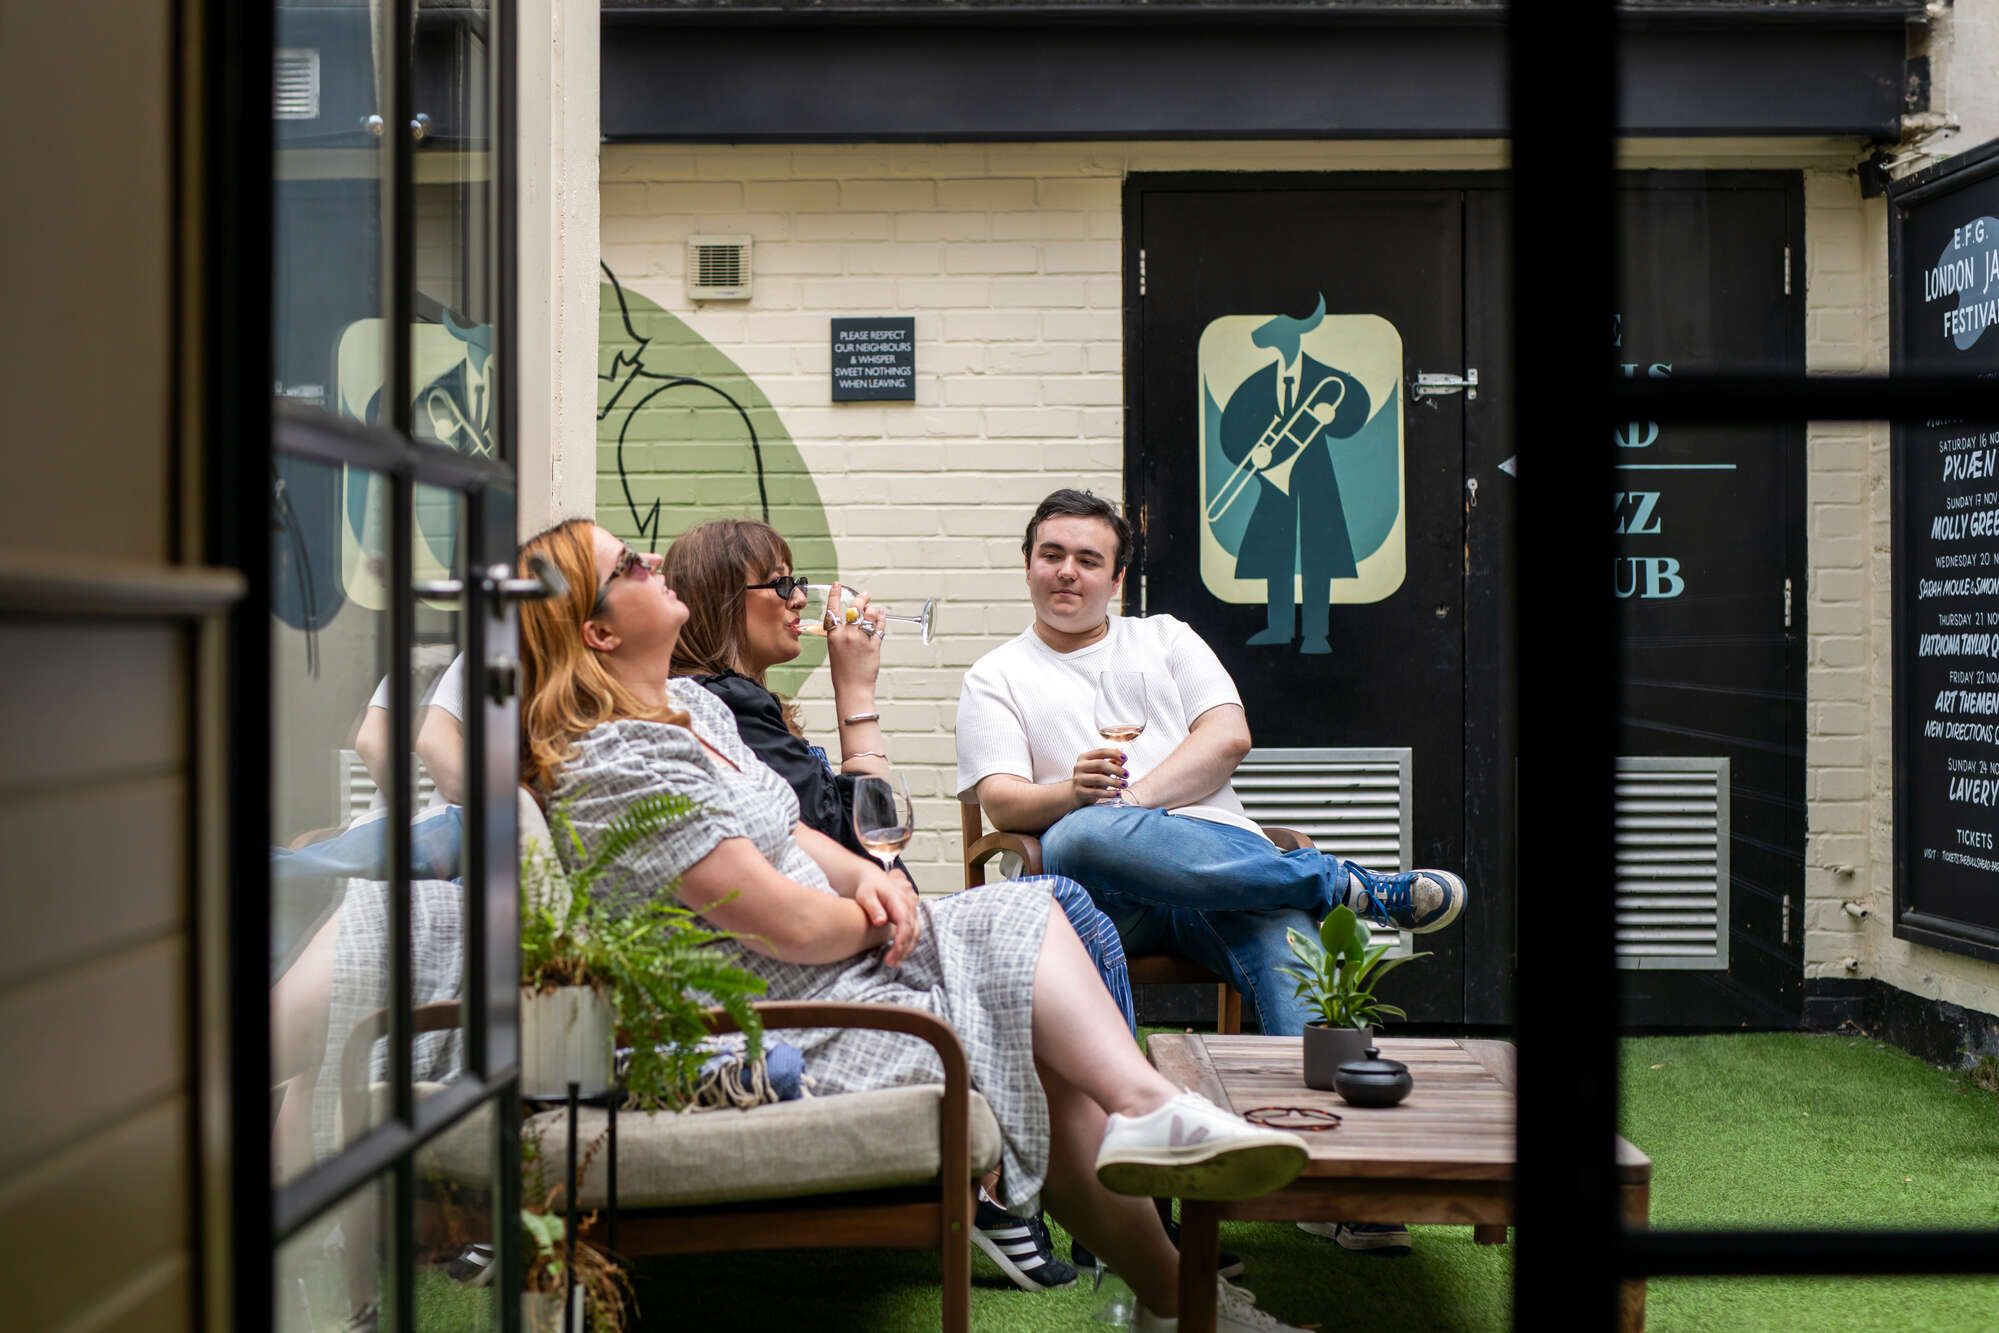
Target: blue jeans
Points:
(1215, 893)
(362, 851)
(1099, 936)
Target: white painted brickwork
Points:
(1008, 257)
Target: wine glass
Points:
(883, 817)
(1121, 705)
(813, 619)
(1121, 710)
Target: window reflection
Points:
(329, 803)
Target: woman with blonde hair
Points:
(1084, 1120)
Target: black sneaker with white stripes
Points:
(1020, 1247)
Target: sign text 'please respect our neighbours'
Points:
(874, 359)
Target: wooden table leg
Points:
(1200, 1250)
(1636, 1205)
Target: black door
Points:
(1711, 582)
(1326, 571)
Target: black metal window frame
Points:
(1572, 1245)
(245, 433)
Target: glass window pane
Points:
(331, 773)
(438, 904)
(457, 1198)
(327, 242)
(332, 1275)
(451, 345)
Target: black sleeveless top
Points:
(825, 798)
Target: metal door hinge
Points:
(1141, 272)
(1141, 594)
(1787, 270)
(1431, 383)
(1787, 603)
(1787, 920)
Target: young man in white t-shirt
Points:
(1152, 827)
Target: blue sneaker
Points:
(1415, 900)
(1021, 1247)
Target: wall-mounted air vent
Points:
(1672, 863)
(1353, 803)
(356, 791)
(295, 84)
(718, 268)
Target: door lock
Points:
(503, 678)
(1430, 384)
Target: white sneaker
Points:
(1192, 1149)
(1235, 1312)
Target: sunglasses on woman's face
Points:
(629, 562)
(784, 585)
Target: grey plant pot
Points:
(1326, 1049)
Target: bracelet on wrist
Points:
(858, 718)
(865, 754)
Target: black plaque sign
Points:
(874, 359)
(1944, 262)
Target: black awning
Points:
(778, 71)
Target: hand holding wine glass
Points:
(1120, 716)
(884, 821)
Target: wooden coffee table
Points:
(1444, 1156)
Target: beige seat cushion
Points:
(817, 1145)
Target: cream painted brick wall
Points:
(1008, 256)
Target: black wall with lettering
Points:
(1709, 569)
(1944, 274)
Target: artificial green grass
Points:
(1744, 1130)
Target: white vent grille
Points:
(357, 791)
(295, 84)
(1353, 803)
(1672, 863)
(718, 268)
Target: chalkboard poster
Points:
(874, 360)
(1944, 274)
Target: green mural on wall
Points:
(683, 435)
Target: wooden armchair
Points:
(1151, 969)
(890, 1168)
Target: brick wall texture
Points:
(1009, 258)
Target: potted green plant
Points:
(598, 959)
(1336, 977)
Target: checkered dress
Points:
(973, 964)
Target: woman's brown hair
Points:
(565, 688)
(709, 566)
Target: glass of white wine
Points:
(884, 819)
(813, 619)
(1121, 709)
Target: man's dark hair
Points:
(1070, 503)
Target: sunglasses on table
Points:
(784, 585)
(631, 560)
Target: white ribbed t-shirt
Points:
(1028, 710)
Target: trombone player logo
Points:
(1301, 467)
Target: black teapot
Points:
(1373, 1081)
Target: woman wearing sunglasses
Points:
(744, 609)
(1083, 1118)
